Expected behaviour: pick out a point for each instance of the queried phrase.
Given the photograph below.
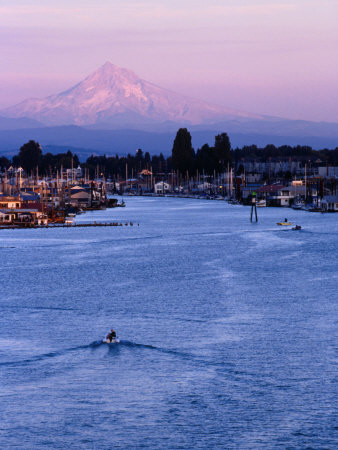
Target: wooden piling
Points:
(253, 206)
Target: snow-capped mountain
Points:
(112, 95)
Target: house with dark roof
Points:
(80, 197)
(330, 203)
(274, 194)
(30, 197)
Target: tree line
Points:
(31, 158)
(183, 159)
(299, 153)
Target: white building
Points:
(161, 187)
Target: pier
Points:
(64, 225)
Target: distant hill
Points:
(85, 142)
(7, 123)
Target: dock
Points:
(64, 225)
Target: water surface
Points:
(228, 330)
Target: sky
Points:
(274, 57)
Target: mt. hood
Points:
(116, 96)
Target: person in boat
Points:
(111, 335)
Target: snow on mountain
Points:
(115, 95)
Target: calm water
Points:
(228, 330)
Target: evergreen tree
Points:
(139, 160)
(4, 162)
(182, 153)
(139, 154)
(147, 157)
(30, 155)
(222, 155)
(204, 160)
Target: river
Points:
(228, 330)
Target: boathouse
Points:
(80, 197)
(330, 203)
(10, 202)
(161, 187)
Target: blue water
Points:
(228, 330)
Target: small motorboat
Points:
(284, 223)
(111, 338)
(297, 227)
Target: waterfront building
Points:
(162, 187)
(10, 202)
(330, 203)
(80, 197)
(6, 216)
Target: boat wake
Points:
(92, 345)
(111, 349)
(201, 361)
(167, 351)
(55, 354)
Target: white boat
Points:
(298, 204)
(113, 341)
(261, 203)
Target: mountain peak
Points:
(109, 74)
(111, 68)
(107, 64)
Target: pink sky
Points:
(274, 57)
